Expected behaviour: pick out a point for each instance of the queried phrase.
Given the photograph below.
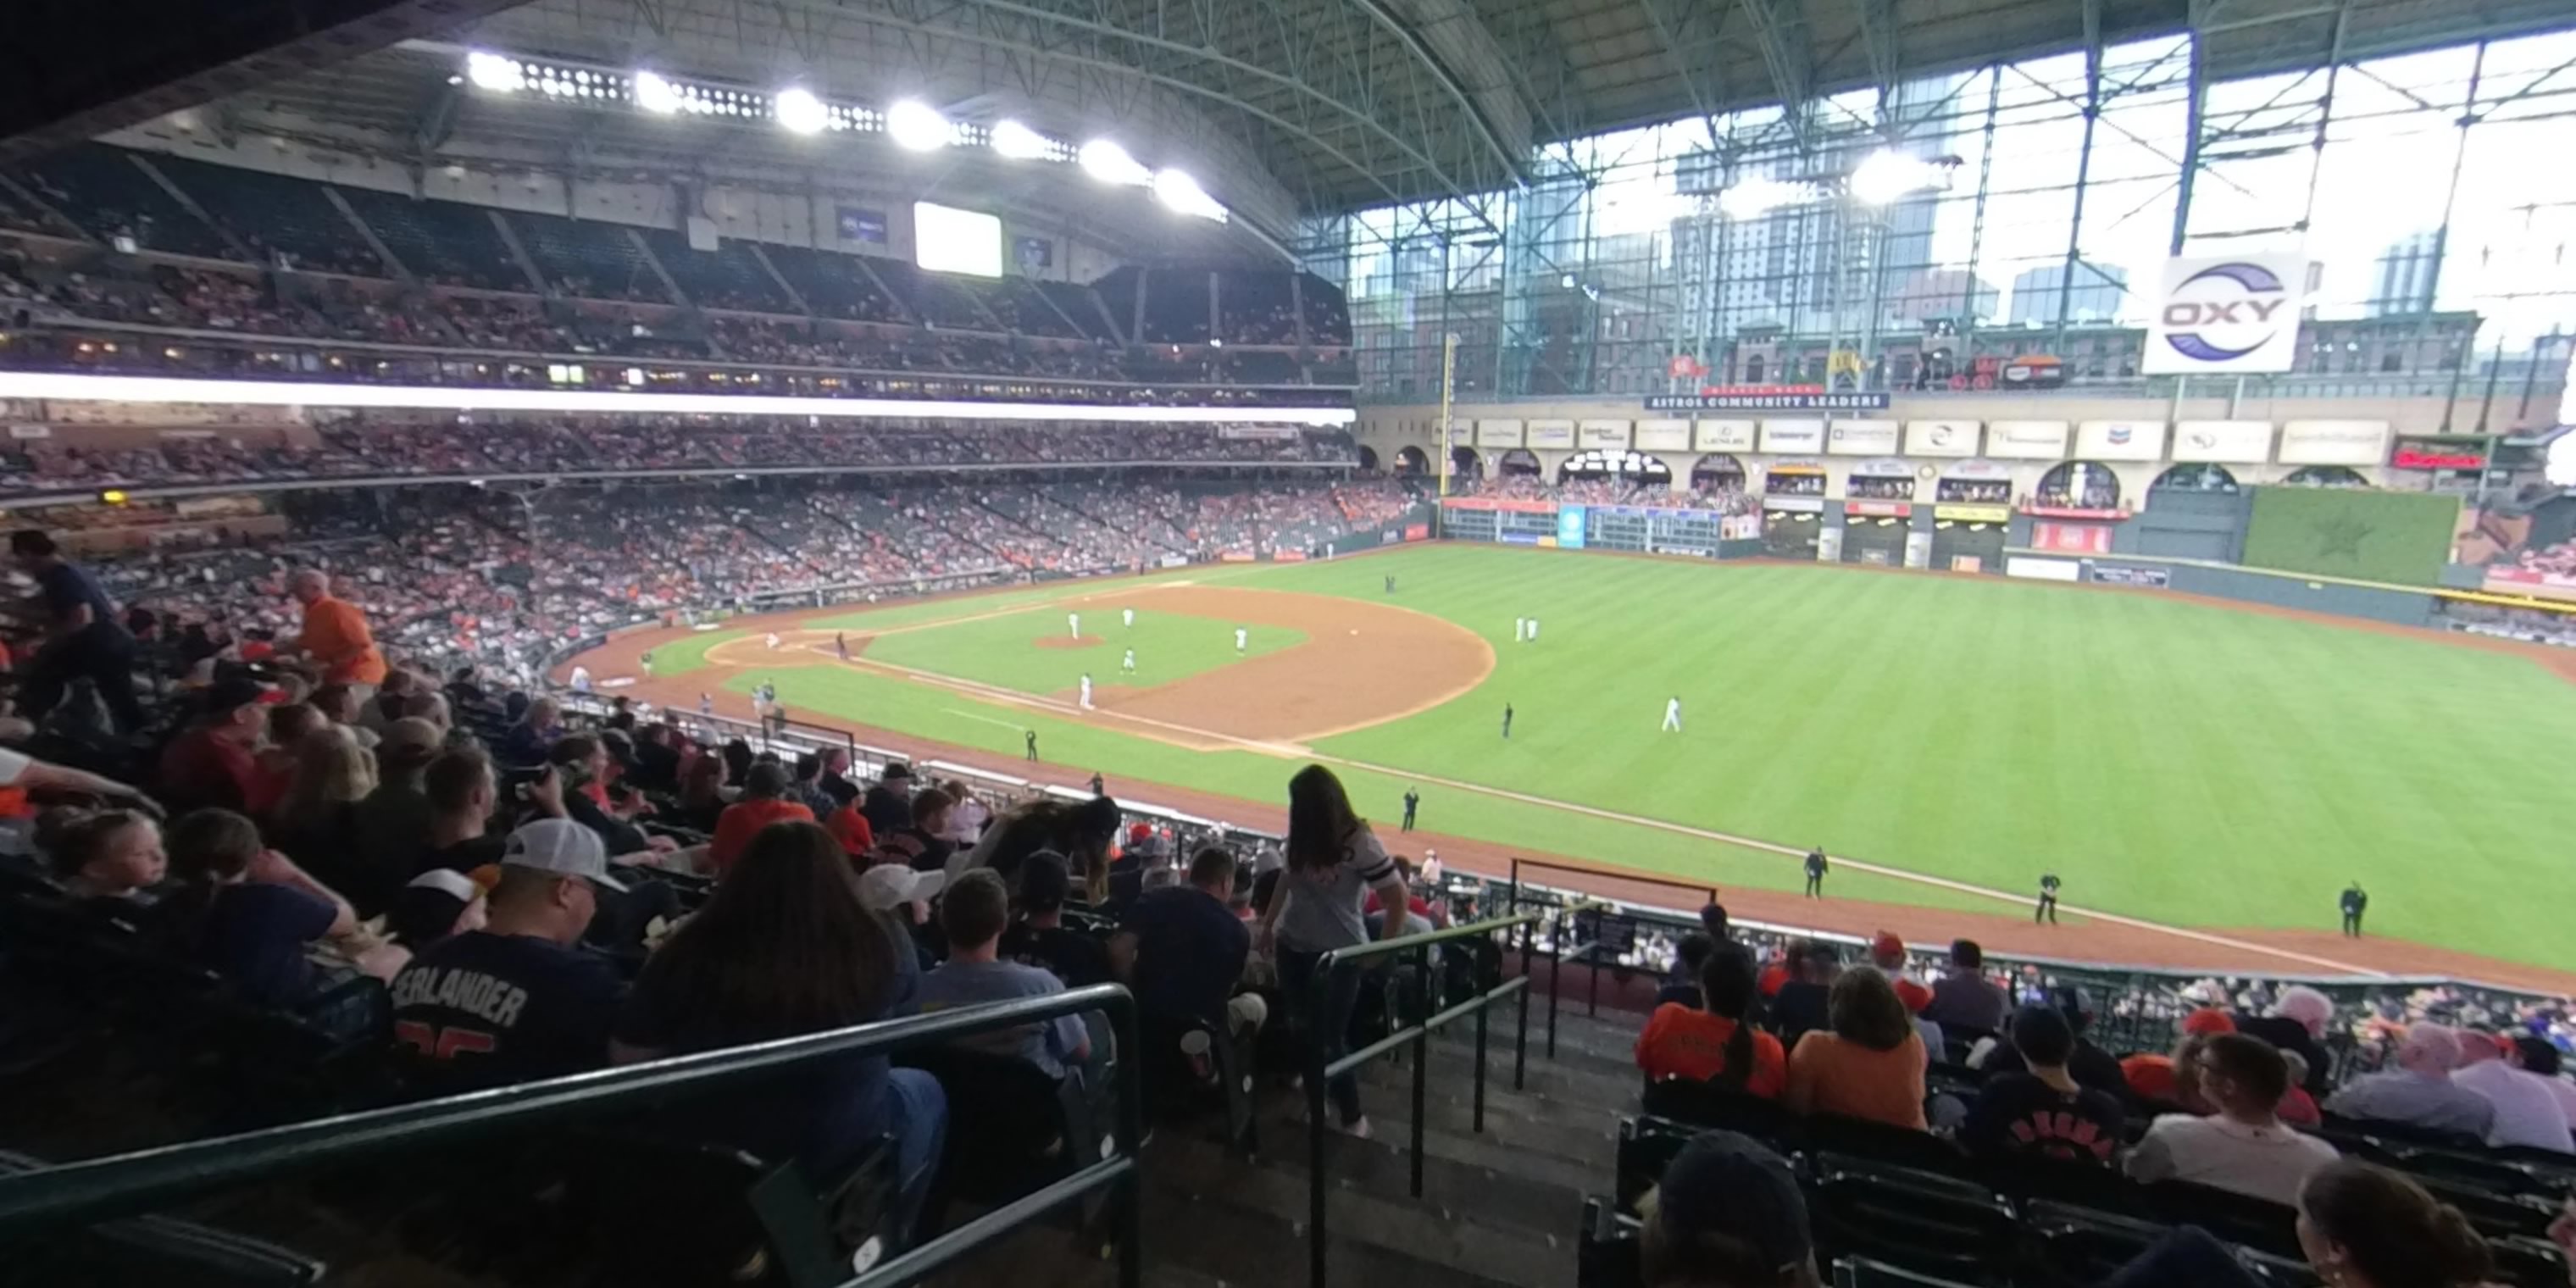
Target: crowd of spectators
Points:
(468, 576)
(590, 445)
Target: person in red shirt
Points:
(1421, 914)
(215, 763)
(1718, 1045)
(763, 803)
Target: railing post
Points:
(1520, 1044)
(1489, 976)
(1130, 1197)
(1315, 1110)
(1555, 981)
(1592, 998)
(1421, 1053)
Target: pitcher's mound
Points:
(1067, 641)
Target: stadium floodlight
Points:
(656, 94)
(80, 387)
(488, 71)
(916, 126)
(1755, 197)
(1886, 176)
(799, 111)
(1183, 195)
(1020, 143)
(1109, 163)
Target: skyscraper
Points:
(2099, 291)
(2407, 275)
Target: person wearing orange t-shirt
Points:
(335, 633)
(1869, 1064)
(763, 802)
(1716, 1044)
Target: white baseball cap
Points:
(888, 886)
(562, 847)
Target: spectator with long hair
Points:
(1717, 1041)
(1334, 861)
(1083, 832)
(2359, 1225)
(316, 820)
(1869, 1063)
(784, 948)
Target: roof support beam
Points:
(1781, 27)
(1467, 31)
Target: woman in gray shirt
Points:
(1333, 863)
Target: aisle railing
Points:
(1490, 988)
(73, 1194)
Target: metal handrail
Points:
(123, 1185)
(1319, 1073)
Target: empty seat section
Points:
(102, 190)
(728, 277)
(442, 242)
(276, 216)
(834, 285)
(586, 259)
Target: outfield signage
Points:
(1772, 401)
(1462, 433)
(1878, 509)
(1793, 436)
(2117, 575)
(2043, 569)
(1557, 435)
(1569, 528)
(1885, 467)
(2027, 440)
(2334, 442)
(2223, 442)
(2120, 440)
(1985, 470)
(1973, 513)
(2439, 454)
(1940, 438)
(1498, 433)
(1861, 438)
(2232, 314)
(1663, 436)
(1608, 435)
(1724, 436)
(1795, 504)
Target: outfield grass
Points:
(1003, 650)
(2171, 760)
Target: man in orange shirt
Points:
(763, 802)
(335, 633)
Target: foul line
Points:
(1056, 707)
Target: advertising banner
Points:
(1940, 438)
(2043, 569)
(1552, 435)
(1608, 435)
(1417, 532)
(1740, 527)
(1498, 433)
(1663, 436)
(1800, 436)
(1885, 467)
(2334, 442)
(2223, 442)
(1462, 433)
(1287, 556)
(1513, 504)
(2120, 440)
(2027, 440)
(2109, 575)
(1878, 509)
(1517, 538)
(1569, 528)
(1262, 433)
(1235, 556)
(1723, 436)
(1767, 402)
(1973, 513)
(2071, 538)
(2440, 454)
(1976, 470)
(1862, 438)
(1795, 504)
(2230, 314)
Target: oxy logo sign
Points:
(2234, 315)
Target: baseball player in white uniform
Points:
(1073, 623)
(1086, 690)
(1520, 629)
(1130, 615)
(1533, 636)
(773, 641)
(1672, 715)
(1128, 663)
(580, 678)
(1242, 640)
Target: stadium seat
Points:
(1605, 1254)
(1866, 1272)
(1702, 1104)
(1646, 1147)
(2264, 1227)
(671, 1213)
(1011, 1127)
(1940, 1225)
(2529, 1263)
(1883, 1143)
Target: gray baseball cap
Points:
(562, 847)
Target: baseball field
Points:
(2184, 766)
